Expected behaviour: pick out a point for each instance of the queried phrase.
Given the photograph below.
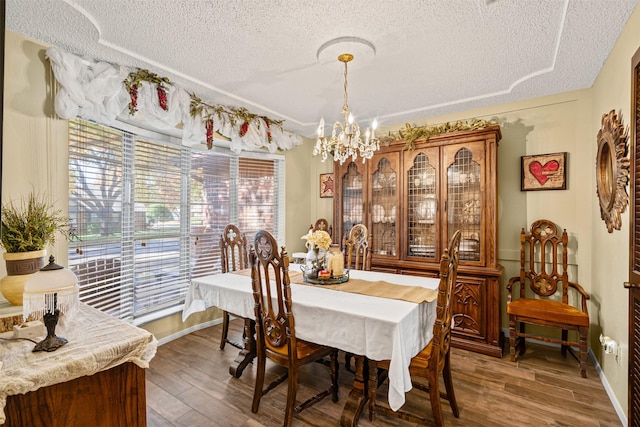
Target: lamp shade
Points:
(52, 288)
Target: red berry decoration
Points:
(268, 130)
(244, 128)
(209, 126)
(133, 93)
(162, 97)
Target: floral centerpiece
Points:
(318, 242)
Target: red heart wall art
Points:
(541, 172)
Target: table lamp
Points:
(48, 293)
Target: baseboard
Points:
(189, 330)
(609, 390)
(603, 378)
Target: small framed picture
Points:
(326, 185)
(544, 172)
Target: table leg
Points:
(358, 397)
(248, 353)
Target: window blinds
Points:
(150, 213)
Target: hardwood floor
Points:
(188, 384)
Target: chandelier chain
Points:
(345, 106)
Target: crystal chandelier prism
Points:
(345, 140)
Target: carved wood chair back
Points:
(444, 309)
(358, 252)
(275, 319)
(322, 224)
(233, 257)
(544, 260)
(233, 249)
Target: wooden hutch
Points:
(412, 201)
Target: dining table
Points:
(372, 328)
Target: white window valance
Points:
(96, 90)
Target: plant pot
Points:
(20, 266)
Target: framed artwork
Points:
(326, 185)
(544, 172)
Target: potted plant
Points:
(26, 230)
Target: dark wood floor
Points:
(188, 384)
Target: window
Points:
(149, 213)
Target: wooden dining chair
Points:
(357, 249)
(233, 257)
(275, 328)
(435, 357)
(322, 224)
(544, 267)
(358, 257)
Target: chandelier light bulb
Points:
(345, 139)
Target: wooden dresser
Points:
(412, 201)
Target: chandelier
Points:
(345, 138)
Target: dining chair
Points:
(357, 250)
(322, 224)
(435, 358)
(358, 255)
(275, 328)
(233, 257)
(544, 267)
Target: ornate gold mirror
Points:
(612, 170)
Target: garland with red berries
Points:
(133, 81)
(197, 106)
(234, 114)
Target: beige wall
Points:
(35, 156)
(609, 259)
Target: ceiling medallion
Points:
(612, 170)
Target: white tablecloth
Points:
(378, 328)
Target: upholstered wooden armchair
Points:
(544, 268)
(233, 257)
(275, 328)
(435, 358)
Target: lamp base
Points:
(50, 343)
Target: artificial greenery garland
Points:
(197, 106)
(411, 133)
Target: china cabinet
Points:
(412, 201)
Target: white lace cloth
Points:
(95, 90)
(379, 328)
(97, 342)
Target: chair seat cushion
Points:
(548, 310)
(305, 350)
(419, 363)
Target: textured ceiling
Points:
(431, 56)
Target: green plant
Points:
(32, 225)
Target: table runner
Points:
(380, 288)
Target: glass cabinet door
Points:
(384, 202)
(352, 200)
(421, 203)
(465, 201)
